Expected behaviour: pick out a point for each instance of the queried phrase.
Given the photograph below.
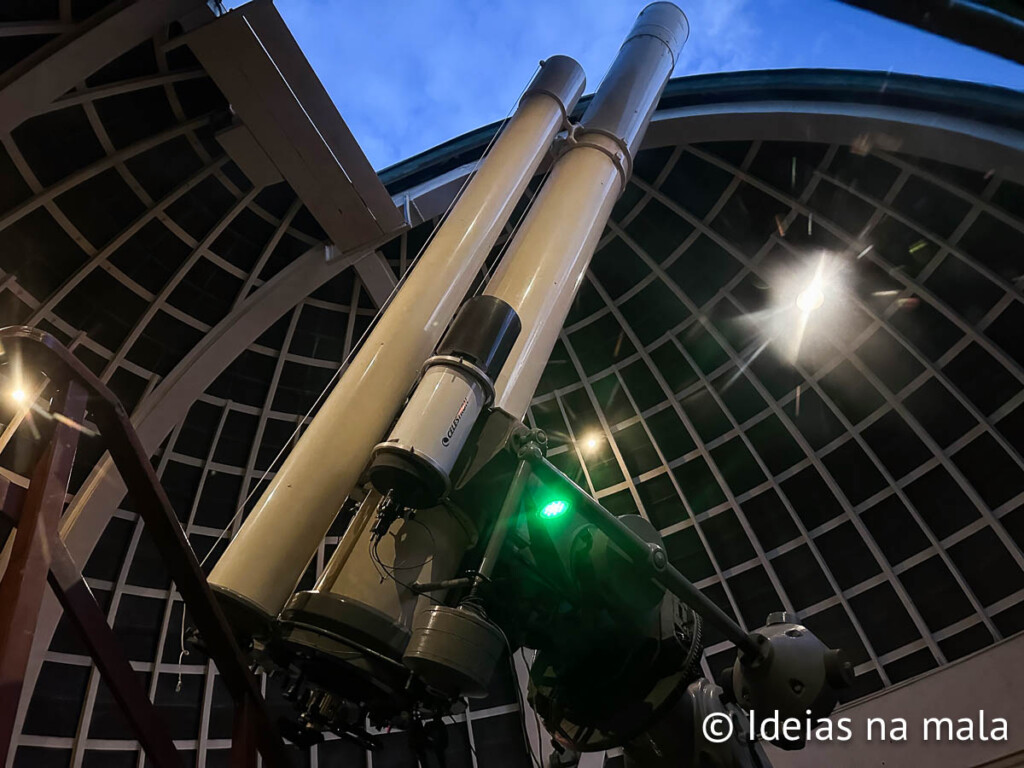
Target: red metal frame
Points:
(39, 555)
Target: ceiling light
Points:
(811, 298)
(808, 306)
(18, 395)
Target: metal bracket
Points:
(528, 444)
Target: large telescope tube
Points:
(547, 259)
(261, 566)
(364, 594)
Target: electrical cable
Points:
(468, 726)
(386, 572)
(536, 720)
(510, 655)
(519, 699)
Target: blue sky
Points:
(410, 74)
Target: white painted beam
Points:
(31, 85)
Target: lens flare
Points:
(808, 306)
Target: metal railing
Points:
(39, 556)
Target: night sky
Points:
(410, 74)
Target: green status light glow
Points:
(553, 508)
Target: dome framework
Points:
(874, 487)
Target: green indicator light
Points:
(553, 509)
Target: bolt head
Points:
(658, 558)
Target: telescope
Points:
(464, 544)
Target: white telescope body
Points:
(260, 568)
(438, 418)
(455, 648)
(547, 259)
(414, 464)
(542, 269)
(353, 600)
(377, 640)
(411, 469)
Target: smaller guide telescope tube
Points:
(546, 261)
(261, 566)
(413, 465)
